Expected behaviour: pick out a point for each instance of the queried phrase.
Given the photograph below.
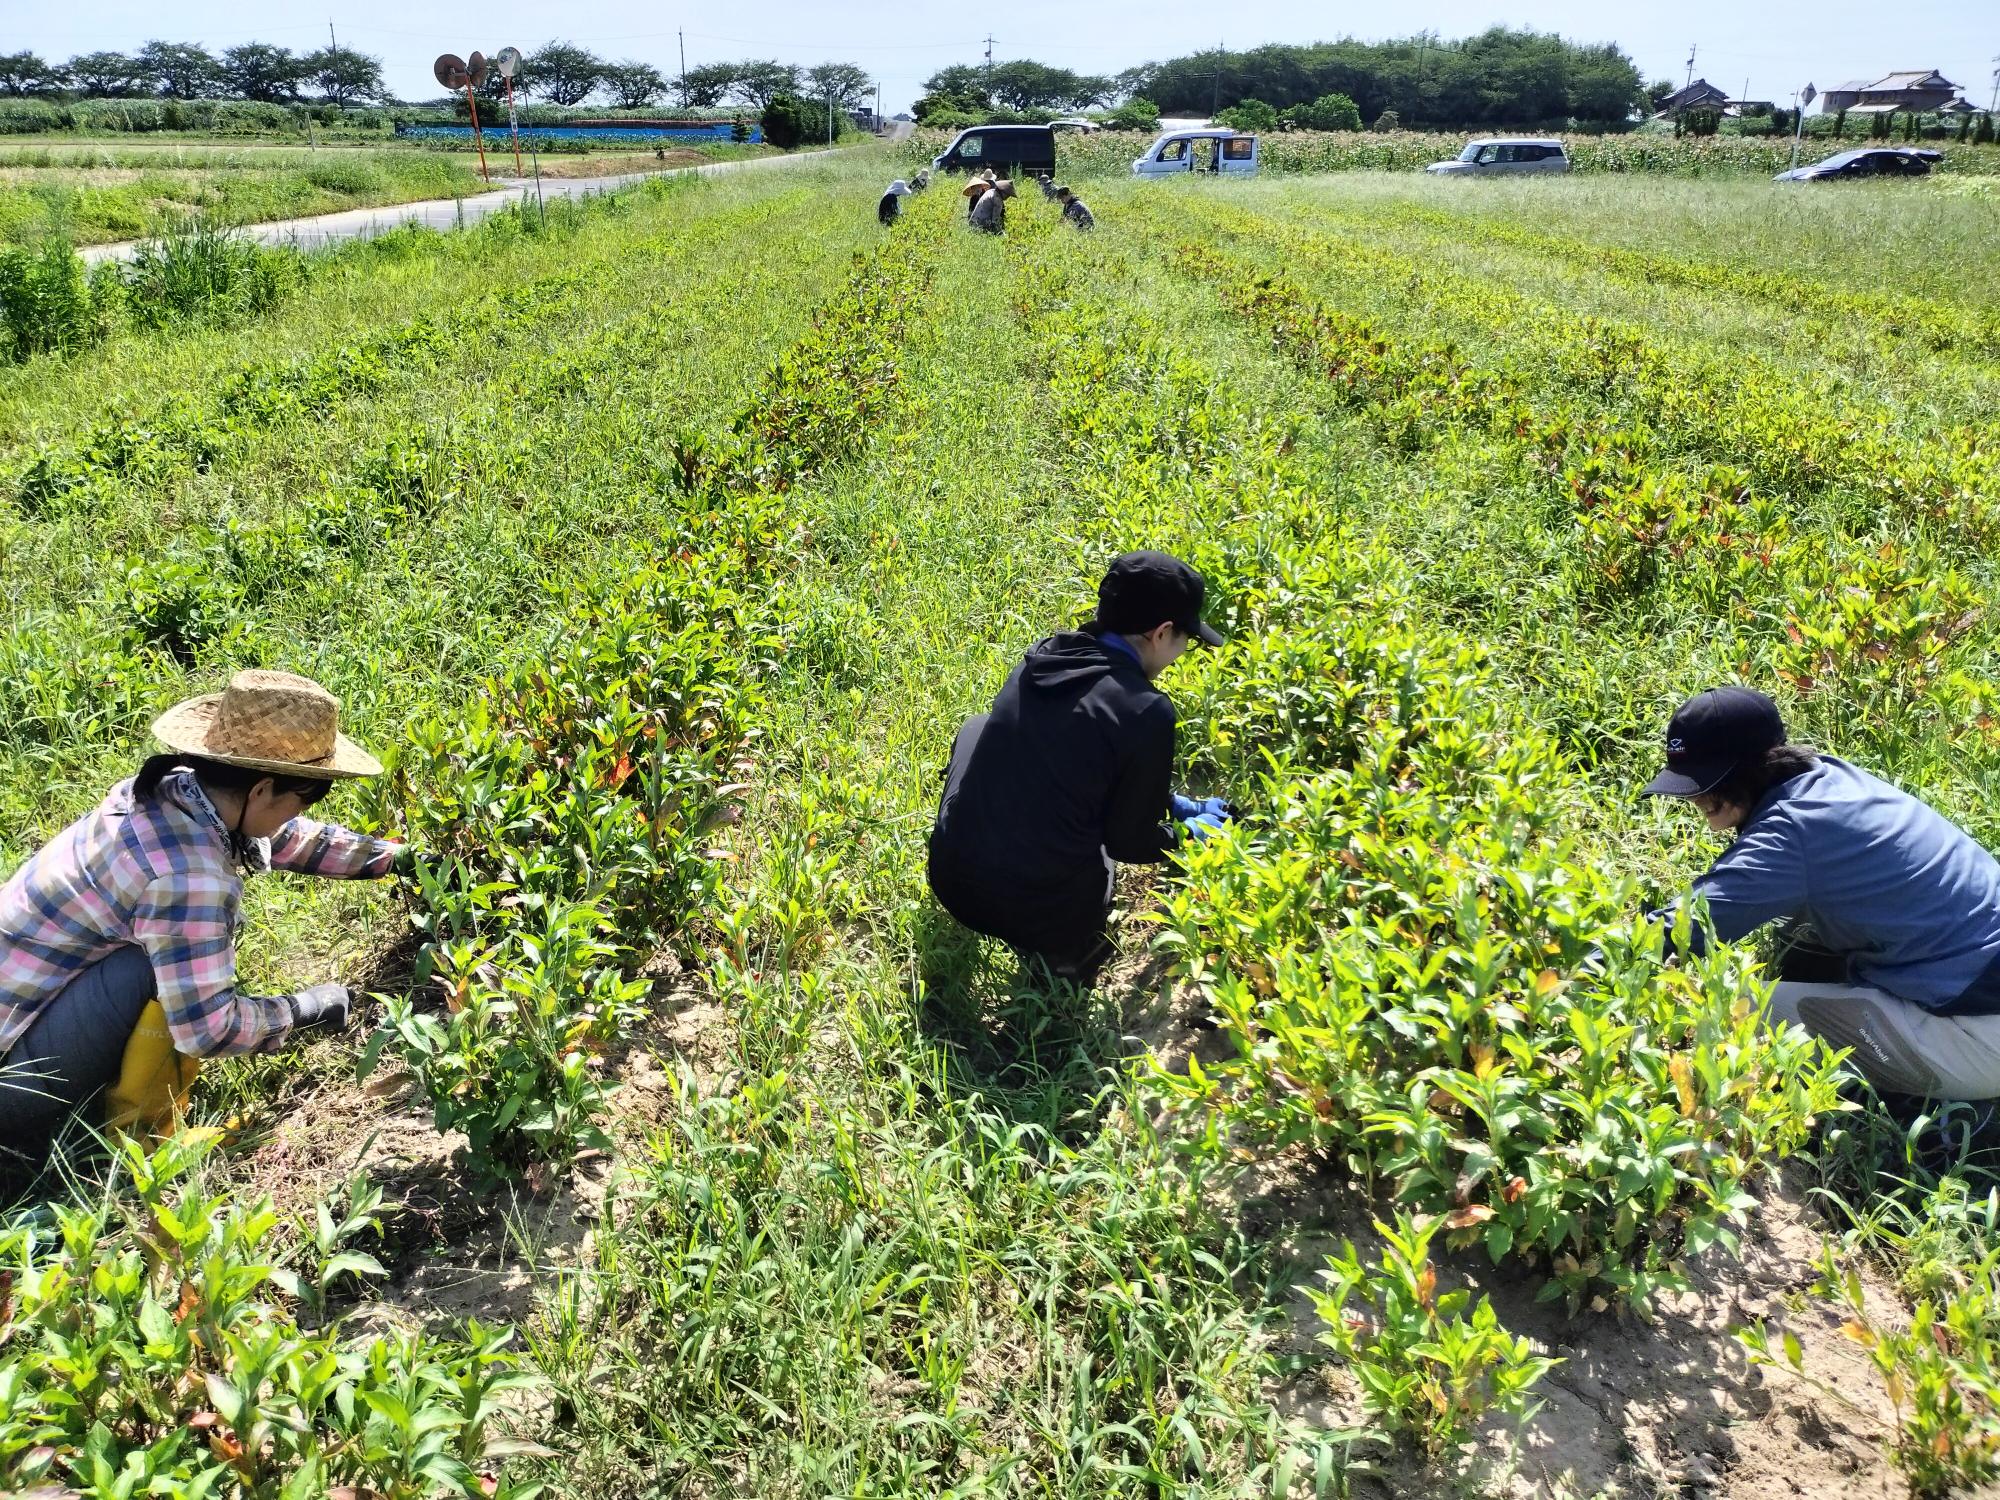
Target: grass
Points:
(119, 192)
(905, 1223)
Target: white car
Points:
(1198, 151)
(1088, 127)
(1503, 155)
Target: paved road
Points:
(447, 213)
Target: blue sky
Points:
(1776, 45)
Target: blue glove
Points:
(1204, 825)
(1186, 807)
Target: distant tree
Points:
(1658, 92)
(633, 85)
(105, 75)
(342, 76)
(758, 83)
(1983, 136)
(960, 81)
(848, 83)
(787, 120)
(1132, 83)
(1327, 112)
(180, 70)
(1387, 122)
(561, 72)
(1601, 85)
(1702, 121)
(739, 130)
(262, 73)
(1024, 84)
(1250, 114)
(949, 108)
(705, 86)
(23, 73)
(1135, 114)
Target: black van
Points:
(1010, 150)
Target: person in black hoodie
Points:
(1070, 771)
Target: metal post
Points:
(513, 125)
(477, 140)
(829, 114)
(541, 209)
(1800, 99)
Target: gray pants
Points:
(73, 1051)
(1899, 1046)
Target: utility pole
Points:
(1215, 91)
(684, 67)
(1995, 103)
(1690, 77)
(331, 42)
(989, 59)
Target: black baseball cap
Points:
(1713, 733)
(1144, 589)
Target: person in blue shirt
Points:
(1893, 911)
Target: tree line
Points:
(1500, 77)
(558, 72)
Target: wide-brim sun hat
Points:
(267, 721)
(899, 187)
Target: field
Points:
(663, 546)
(122, 191)
(1641, 151)
(92, 192)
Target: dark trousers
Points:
(73, 1051)
(1061, 927)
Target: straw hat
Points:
(267, 721)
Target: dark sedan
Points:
(1878, 161)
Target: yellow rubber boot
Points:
(153, 1080)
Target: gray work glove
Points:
(321, 1007)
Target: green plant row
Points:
(1422, 977)
(1936, 326)
(156, 1342)
(569, 808)
(1900, 607)
(1791, 438)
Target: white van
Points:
(1503, 155)
(1198, 151)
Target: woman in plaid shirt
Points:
(123, 927)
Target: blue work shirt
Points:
(1906, 895)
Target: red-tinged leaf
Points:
(1515, 1190)
(1468, 1216)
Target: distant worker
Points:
(921, 181)
(1895, 911)
(1046, 183)
(891, 205)
(1073, 211)
(118, 937)
(1070, 771)
(989, 210)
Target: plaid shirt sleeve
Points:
(186, 922)
(305, 847)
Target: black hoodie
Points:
(1073, 763)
